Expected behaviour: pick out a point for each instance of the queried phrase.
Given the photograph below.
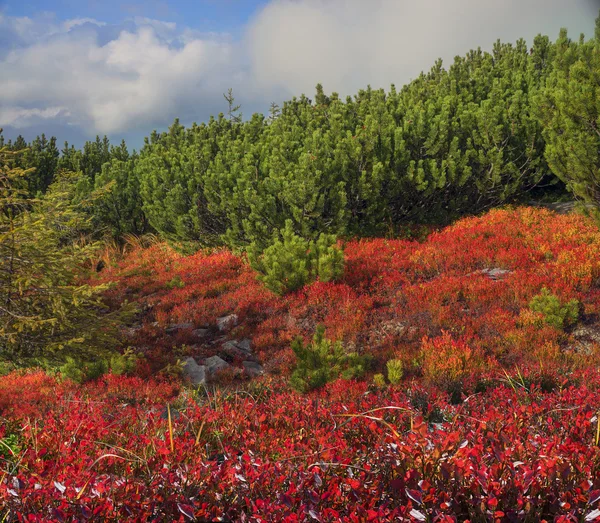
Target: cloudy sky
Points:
(77, 68)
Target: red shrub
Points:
(101, 453)
(393, 292)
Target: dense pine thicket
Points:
(459, 140)
(569, 110)
(486, 131)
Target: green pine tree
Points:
(120, 207)
(47, 312)
(292, 261)
(570, 111)
(323, 361)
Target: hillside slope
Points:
(469, 285)
(495, 418)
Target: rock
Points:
(200, 333)
(241, 349)
(495, 273)
(180, 326)
(245, 344)
(225, 323)
(230, 345)
(586, 336)
(392, 327)
(215, 364)
(590, 332)
(253, 369)
(194, 373)
(231, 349)
(217, 341)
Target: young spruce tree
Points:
(46, 312)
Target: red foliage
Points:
(104, 452)
(517, 441)
(447, 361)
(392, 295)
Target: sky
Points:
(78, 68)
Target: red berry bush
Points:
(494, 323)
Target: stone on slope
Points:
(225, 323)
(200, 333)
(253, 369)
(239, 349)
(215, 364)
(245, 344)
(495, 273)
(194, 373)
(180, 326)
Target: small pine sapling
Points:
(558, 315)
(395, 371)
(323, 361)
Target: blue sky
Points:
(204, 15)
(77, 68)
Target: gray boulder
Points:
(245, 344)
(495, 273)
(240, 349)
(200, 333)
(590, 332)
(215, 364)
(225, 323)
(194, 373)
(253, 369)
(586, 337)
(180, 326)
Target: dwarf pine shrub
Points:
(82, 371)
(125, 363)
(175, 283)
(323, 361)
(394, 371)
(559, 315)
(292, 261)
(379, 381)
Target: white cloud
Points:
(136, 79)
(75, 22)
(166, 31)
(146, 72)
(21, 117)
(347, 44)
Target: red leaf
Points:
(415, 495)
(186, 510)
